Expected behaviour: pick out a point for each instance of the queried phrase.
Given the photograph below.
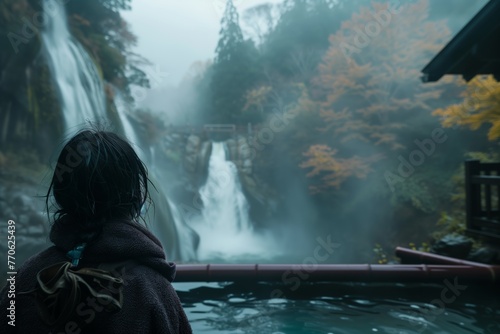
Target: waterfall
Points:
(224, 204)
(82, 99)
(188, 240)
(165, 209)
(224, 225)
(79, 85)
(122, 110)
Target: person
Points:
(106, 272)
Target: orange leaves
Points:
(366, 98)
(323, 161)
(481, 105)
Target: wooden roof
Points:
(474, 50)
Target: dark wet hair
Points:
(98, 177)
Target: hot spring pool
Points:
(340, 308)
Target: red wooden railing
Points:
(441, 269)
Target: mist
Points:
(300, 212)
(319, 117)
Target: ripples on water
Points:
(338, 309)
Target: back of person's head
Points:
(98, 177)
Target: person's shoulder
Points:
(143, 279)
(142, 273)
(39, 261)
(150, 304)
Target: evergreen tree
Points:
(301, 35)
(235, 70)
(231, 36)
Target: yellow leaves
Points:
(451, 116)
(380, 254)
(383, 138)
(481, 105)
(494, 132)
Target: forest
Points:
(348, 140)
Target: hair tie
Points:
(76, 254)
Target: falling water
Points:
(225, 206)
(186, 241)
(224, 226)
(80, 88)
(122, 110)
(82, 99)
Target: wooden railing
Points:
(482, 199)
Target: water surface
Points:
(338, 308)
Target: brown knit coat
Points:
(150, 304)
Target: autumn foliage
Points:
(322, 159)
(369, 90)
(480, 106)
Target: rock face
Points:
(263, 203)
(485, 255)
(203, 158)
(239, 153)
(191, 153)
(460, 247)
(451, 245)
(195, 156)
(31, 225)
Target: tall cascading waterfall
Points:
(80, 88)
(82, 99)
(187, 241)
(224, 226)
(121, 109)
(224, 205)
